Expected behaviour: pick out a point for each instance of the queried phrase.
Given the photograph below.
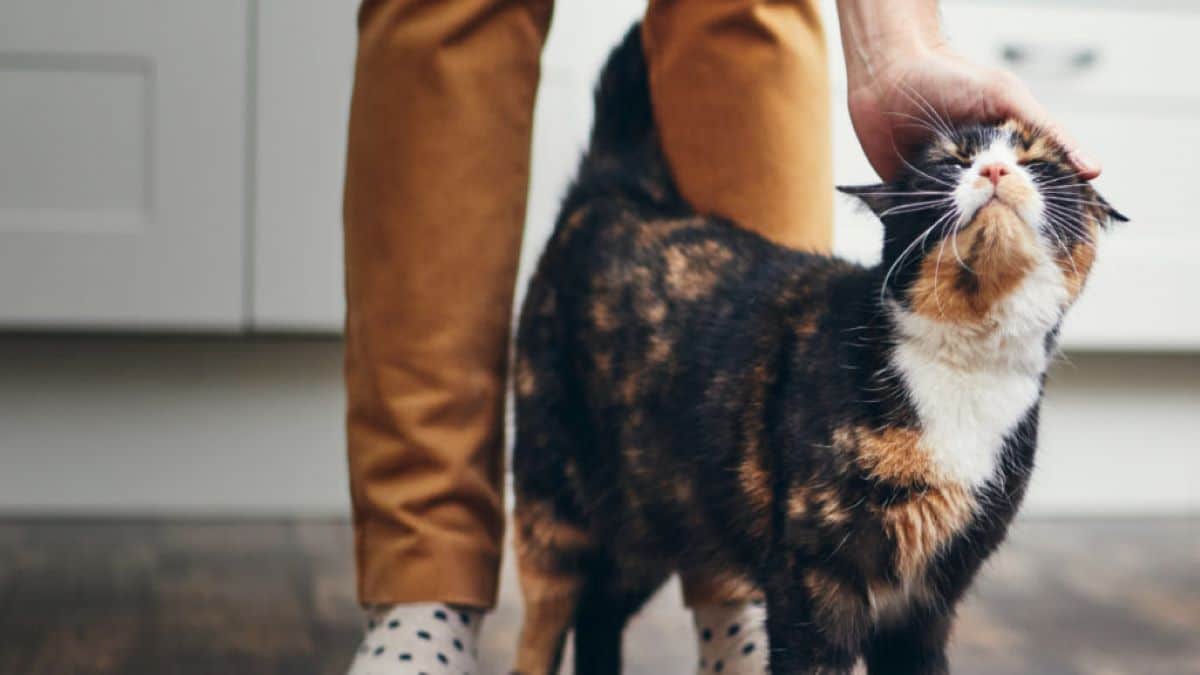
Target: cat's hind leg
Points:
(568, 583)
(551, 562)
(553, 538)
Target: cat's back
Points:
(642, 297)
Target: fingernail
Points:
(1084, 162)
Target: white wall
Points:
(230, 426)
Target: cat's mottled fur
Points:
(852, 440)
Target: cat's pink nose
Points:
(994, 172)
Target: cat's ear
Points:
(1109, 212)
(878, 197)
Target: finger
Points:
(1084, 165)
(885, 163)
(1087, 167)
(875, 138)
(1022, 105)
(884, 159)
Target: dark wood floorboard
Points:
(1070, 597)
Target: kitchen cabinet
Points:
(123, 130)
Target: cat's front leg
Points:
(815, 624)
(913, 644)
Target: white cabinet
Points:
(305, 56)
(122, 163)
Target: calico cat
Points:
(854, 440)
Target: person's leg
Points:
(741, 97)
(436, 181)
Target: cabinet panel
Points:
(122, 128)
(305, 55)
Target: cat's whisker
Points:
(1066, 219)
(1058, 220)
(915, 206)
(1077, 202)
(1074, 230)
(1063, 190)
(919, 172)
(937, 268)
(1057, 180)
(1066, 252)
(1060, 205)
(937, 271)
(839, 546)
(1059, 184)
(915, 170)
(954, 247)
(905, 193)
(942, 118)
(916, 98)
(1066, 203)
(904, 254)
(921, 123)
(1066, 213)
(1067, 190)
(1071, 230)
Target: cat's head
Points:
(977, 212)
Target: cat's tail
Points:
(623, 154)
(624, 117)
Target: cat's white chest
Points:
(965, 416)
(971, 388)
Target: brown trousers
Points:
(436, 183)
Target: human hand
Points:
(903, 83)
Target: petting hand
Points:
(902, 79)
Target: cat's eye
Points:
(952, 161)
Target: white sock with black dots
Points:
(732, 638)
(419, 638)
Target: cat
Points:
(853, 440)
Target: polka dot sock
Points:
(425, 638)
(732, 638)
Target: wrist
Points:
(878, 36)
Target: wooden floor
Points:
(151, 598)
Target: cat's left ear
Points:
(1110, 213)
(878, 197)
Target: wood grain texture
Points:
(1076, 597)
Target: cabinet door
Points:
(122, 163)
